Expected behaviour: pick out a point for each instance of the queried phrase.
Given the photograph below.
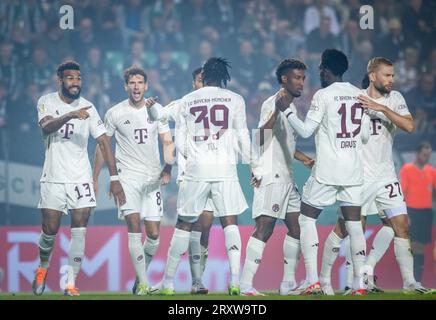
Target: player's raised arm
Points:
(404, 122)
(155, 111)
(50, 124)
(304, 129)
(181, 134)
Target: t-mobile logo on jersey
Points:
(140, 135)
(376, 126)
(67, 130)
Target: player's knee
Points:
(153, 234)
(50, 229)
(263, 232)
(294, 231)
(402, 231)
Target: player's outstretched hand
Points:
(117, 191)
(165, 178)
(255, 182)
(283, 99)
(309, 163)
(150, 101)
(368, 103)
(81, 114)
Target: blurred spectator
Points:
(349, 38)
(169, 72)
(317, 41)
(321, 38)
(136, 56)
(418, 180)
(10, 73)
(23, 127)
(391, 45)
(226, 18)
(157, 88)
(406, 70)
(418, 24)
(246, 66)
(314, 14)
(288, 41)
(430, 66)
(94, 92)
(359, 62)
(95, 67)
(3, 104)
(39, 69)
(134, 21)
(292, 11)
(83, 39)
(172, 37)
(200, 54)
(56, 42)
(108, 26)
(268, 60)
(422, 103)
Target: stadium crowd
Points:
(170, 38)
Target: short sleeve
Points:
(109, 123)
(96, 127)
(400, 105)
(44, 108)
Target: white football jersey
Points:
(277, 153)
(137, 146)
(337, 138)
(212, 130)
(66, 150)
(377, 153)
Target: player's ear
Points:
(146, 86)
(371, 76)
(284, 79)
(125, 87)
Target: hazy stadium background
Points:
(169, 39)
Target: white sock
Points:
(331, 250)
(178, 246)
(291, 254)
(203, 258)
(137, 256)
(46, 244)
(77, 250)
(358, 251)
(195, 255)
(380, 244)
(403, 253)
(309, 247)
(253, 258)
(348, 263)
(150, 248)
(233, 247)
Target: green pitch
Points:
(389, 295)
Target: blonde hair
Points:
(374, 63)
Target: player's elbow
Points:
(410, 127)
